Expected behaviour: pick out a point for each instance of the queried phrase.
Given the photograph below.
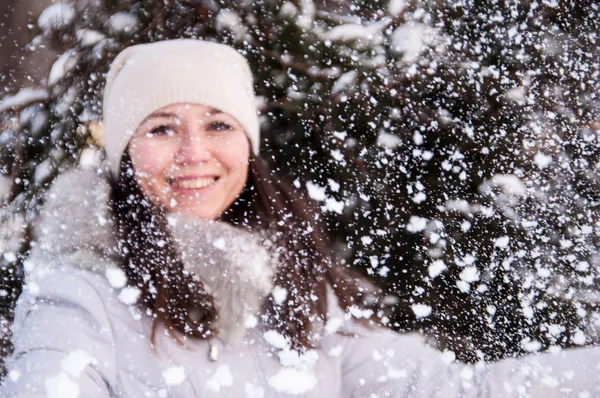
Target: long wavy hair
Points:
(267, 203)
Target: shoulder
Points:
(65, 327)
(71, 293)
(66, 281)
(77, 200)
(69, 308)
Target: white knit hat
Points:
(146, 77)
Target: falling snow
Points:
(450, 150)
(421, 310)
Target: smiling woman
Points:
(191, 159)
(186, 268)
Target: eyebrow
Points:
(213, 111)
(160, 114)
(210, 112)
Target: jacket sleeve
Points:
(62, 337)
(381, 363)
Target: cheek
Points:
(150, 157)
(235, 165)
(235, 155)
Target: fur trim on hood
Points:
(233, 264)
(76, 228)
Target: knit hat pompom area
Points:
(147, 77)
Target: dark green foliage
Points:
(487, 132)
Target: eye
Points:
(163, 130)
(219, 126)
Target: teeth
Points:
(195, 183)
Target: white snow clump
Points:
(395, 7)
(502, 242)
(253, 391)
(220, 244)
(411, 39)
(288, 10)
(421, 310)
(293, 381)
(122, 22)
(221, 378)
(530, 345)
(129, 295)
(343, 81)
(230, 20)
(61, 386)
(275, 339)
(76, 361)
(89, 37)
(469, 274)
(334, 205)
(174, 376)
(436, 268)
(510, 184)
(542, 160)
(116, 277)
(388, 140)
(368, 34)
(517, 94)
(24, 96)
(315, 191)
(61, 66)
(57, 15)
(416, 224)
(279, 294)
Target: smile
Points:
(193, 183)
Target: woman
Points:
(189, 270)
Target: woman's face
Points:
(190, 159)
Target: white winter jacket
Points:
(76, 336)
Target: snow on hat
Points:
(146, 77)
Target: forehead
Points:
(183, 110)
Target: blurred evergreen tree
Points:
(453, 146)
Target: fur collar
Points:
(233, 264)
(75, 228)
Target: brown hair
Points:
(266, 203)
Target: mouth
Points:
(192, 183)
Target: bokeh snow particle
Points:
(416, 224)
(129, 295)
(122, 22)
(275, 339)
(502, 242)
(542, 160)
(76, 361)
(279, 294)
(421, 310)
(61, 386)
(293, 382)
(436, 268)
(55, 16)
(253, 391)
(469, 274)
(116, 277)
(315, 191)
(221, 378)
(174, 375)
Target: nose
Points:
(193, 149)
